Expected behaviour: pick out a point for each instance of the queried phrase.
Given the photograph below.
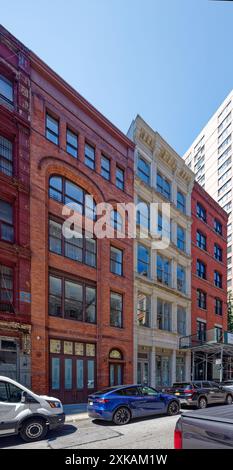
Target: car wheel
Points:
(122, 416)
(229, 399)
(33, 430)
(173, 408)
(202, 403)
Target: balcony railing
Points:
(212, 336)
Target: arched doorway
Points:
(116, 367)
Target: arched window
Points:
(66, 192)
(115, 354)
(116, 221)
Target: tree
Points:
(230, 311)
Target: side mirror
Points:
(23, 397)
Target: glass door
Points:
(115, 374)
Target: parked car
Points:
(201, 393)
(26, 413)
(122, 403)
(211, 428)
(228, 385)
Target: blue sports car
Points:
(122, 403)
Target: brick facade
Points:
(213, 211)
(51, 94)
(15, 190)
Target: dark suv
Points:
(201, 393)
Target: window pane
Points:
(71, 143)
(55, 291)
(55, 373)
(68, 374)
(90, 304)
(90, 374)
(105, 168)
(55, 188)
(116, 261)
(89, 156)
(120, 178)
(55, 237)
(74, 192)
(73, 300)
(6, 212)
(6, 88)
(79, 373)
(6, 156)
(74, 248)
(90, 252)
(116, 309)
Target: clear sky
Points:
(169, 60)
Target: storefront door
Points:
(72, 370)
(162, 371)
(115, 374)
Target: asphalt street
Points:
(150, 433)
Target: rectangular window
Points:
(143, 261)
(6, 222)
(120, 177)
(116, 261)
(218, 279)
(6, 91)
(89, 156)
(180, 238)
(218, 334)
(201, 299)
(201, 269)
(181, 202)
(201, 240)
(6, 289)
(164, 311)
(6, 156)
(218, 306)
(52, 129)
(181, 320)
(163, 270)
(105, 167)
(143, 214)
(217, 252)
(144, 170)
(201, 212)
(163, 186)
(73, 300)
(71, 143)
(181, 279)
(201, 331)
(79, 249)
(116, 310)
(217, 226)
(143, 309)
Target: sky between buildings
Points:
(169, 60)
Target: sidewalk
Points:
(75, 412)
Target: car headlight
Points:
(54, 404)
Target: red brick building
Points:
(14, 209)
(82, 292)
(209, 275)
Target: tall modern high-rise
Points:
(210, 157)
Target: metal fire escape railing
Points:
(208, 337)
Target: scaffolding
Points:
(211, 348)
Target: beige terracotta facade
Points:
(158, 303)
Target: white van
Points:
(25, 413)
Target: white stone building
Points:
(210, 157)
(162, 277)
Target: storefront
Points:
(15, 358)
(72, 370)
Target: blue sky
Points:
(170, 61)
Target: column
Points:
(174, 191)
(152, 367)
(173, 366)
(174, 273)
(188, 366)
(135, 350)
(188, 239)
(174, 317)
(153, 268)
(153, 175)
(154, 310)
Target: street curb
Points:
(76, 417)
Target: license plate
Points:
(177, 393)
(90, 403)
